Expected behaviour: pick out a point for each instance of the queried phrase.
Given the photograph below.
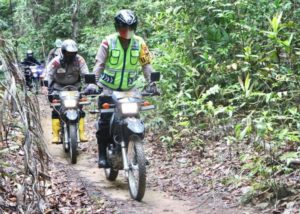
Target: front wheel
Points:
(73, 142)
(137, 168)
(36, 84)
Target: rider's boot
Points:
(102, 139)
(82, 135)
(102, 159)
(55, 131)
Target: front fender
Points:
(71, 114)
(135, 125)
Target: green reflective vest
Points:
(121, 68)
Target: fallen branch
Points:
(294, 162)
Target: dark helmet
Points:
(69, 50)
(126, 18)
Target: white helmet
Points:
(69, 50)
(29, 53)
(58, 43)
(69, 45)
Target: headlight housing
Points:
(129, 108)
(70, 103)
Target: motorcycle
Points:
(28, 77)
(127, 130)
(32, 76)
(68, 103)
(37, 72)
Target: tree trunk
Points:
(12, 17)
(75, 20)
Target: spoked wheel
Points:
(137, 168)
(111, 174)
(73, 142)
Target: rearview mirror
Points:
(90, 78)
(155, 76)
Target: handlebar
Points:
(147, 94)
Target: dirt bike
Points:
(32, 77)
(28, 76)
(68, 102)
(127, 130)
(36, 71)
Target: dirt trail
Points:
(86, 168)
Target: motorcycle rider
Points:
(30, 60)
(118, 60)
(55, 51)
(64, 70)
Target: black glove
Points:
(152, 89)
(50, 90)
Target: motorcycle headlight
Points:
(129, 108)
(71, 114)
(70, 103)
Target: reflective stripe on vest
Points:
(121, 68)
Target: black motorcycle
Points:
(32, 76)
(28, 77)
(68, 102)
(127, 130)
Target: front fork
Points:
(66, 134)
(66, 137)
(124, 149)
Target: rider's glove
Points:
(92, 89)
(152, 89)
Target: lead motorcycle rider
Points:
(117, 69)
(67, 69)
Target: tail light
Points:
(83, 99)
(105, 105)
(146, 103)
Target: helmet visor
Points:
(123, 26)
(69, 56)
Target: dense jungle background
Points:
(228, 119)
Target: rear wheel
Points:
(111, 174)
(73, 142)
(137, 168)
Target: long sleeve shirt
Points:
(61, 74)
